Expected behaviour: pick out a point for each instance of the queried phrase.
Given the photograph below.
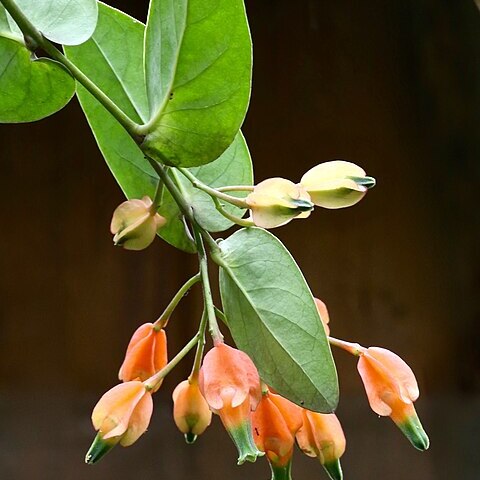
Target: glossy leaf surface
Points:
(68, 22)
(272, 317)
(31, 88)
(113, 58)
(198, 76)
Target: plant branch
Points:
(236, 188)
(238, 202)
(152, 382)
(353, 348)
(193, 378)
(165, 316)
(233, 218)
(207, 292)
(35, 39)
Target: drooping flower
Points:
(322, 436)
(391, 389)
(190, 410)
(336, 184)
(135, 224)
(276, 201)
(146, 354)
(324, 316)
(230, 384)
(275, 423)
(121, 416)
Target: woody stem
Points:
(152, 382)
(353, 348)
(164, 317)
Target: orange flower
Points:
(121, 416)
(190, 410)
(324, 316)
(391, 390)
(275, 423)
(322, 436)
(146, 354)
(230, 383)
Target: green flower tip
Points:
(413, 430)
(367, 182)
(282, 473)
(334, 470)
(98, 449)
(190, 438)
(302, 205)
(243, 440)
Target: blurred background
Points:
(392, 86)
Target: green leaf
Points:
(31, 88)
(273, 318)
(233, 167)
(198, 72)
(68, 22)
(113, 59)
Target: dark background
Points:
(393, 86)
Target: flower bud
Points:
(324, 316)
(230, 384)
(391, 389)
(121, 416)
(146, 354)
(322, 436)
(275, 423)
(336, 184)
(135, 224)
(190, 410)
(276, 201)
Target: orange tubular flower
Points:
(275, 423)
(121, 416)
(322, 436)
(230, 384)
(190, 410)
(391, 389)
(146, 354)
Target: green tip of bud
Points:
(367, 182)
(413, 430)
(282, 473)
(243, 440)
(190, 438)
(334, 470)
(98, 449)
(303, 205)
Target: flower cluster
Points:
(336, 184)
(258, 420)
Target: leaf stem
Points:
(35, 39)
(353, 348)
(213, 192)
(193, 378)
(152, 382)
(221, 315)
(157, 199)
(165, 316)
(236, 188)
(207, 292)
(182, 204)
(233, 218)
